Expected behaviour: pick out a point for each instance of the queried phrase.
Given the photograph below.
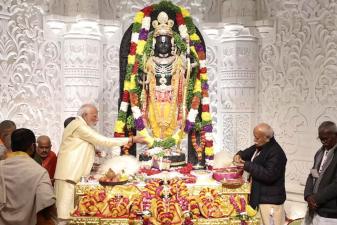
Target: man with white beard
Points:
(77, 155)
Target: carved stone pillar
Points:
(81, 55)
(238, 73)
(81, 73)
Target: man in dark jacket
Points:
(266, 163)
(321, 187)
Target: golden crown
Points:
(163, 26)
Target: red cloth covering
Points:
(50, 165)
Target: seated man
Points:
(46, 158)
(6, 128)
(30, 193)
(266, 163)
(320, 189)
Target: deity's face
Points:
(163, 44)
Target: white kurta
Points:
(75, 159)
(25, 189)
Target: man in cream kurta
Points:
(25, 187)
(77, 154)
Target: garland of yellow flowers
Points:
(117, 210)
(215, 195)
(134, 209)
(163, 216)
(90, 203)
(194, 208)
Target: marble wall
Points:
(268, 61)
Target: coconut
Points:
(111, 174)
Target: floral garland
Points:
(90, 204)
(117, 210)
(215, 195)
(194, 208)
(126, 148)
(134, 209)
(182, 188)
(197, 90)
(164, 216)
(241, 213)
(197, 148)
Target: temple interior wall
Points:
(268, 61)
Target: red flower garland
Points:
(237, 208)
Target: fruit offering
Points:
(111, 176)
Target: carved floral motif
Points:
(297, 87)
(30, 87)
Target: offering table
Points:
(193, 189)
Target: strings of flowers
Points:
(135, 208)
(194, 208)
(241, 212)
(197, 90)
(165, 217)
(197, 148)
(116, 208)
(215, 195)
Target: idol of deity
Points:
(164, 72)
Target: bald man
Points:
(45, 157)
(265, 161)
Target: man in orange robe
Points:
(45, 157)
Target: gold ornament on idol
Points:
(163, 26)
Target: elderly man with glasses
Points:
(320, 189)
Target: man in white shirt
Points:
(77, 154)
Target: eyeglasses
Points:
(324, 139)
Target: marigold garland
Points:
(202, 143)
(165, 217)
(215, 195)
(115, 211)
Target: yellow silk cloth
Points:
(162, 114)
(163, 107)
(215, 212)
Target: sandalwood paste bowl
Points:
(227, 173)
